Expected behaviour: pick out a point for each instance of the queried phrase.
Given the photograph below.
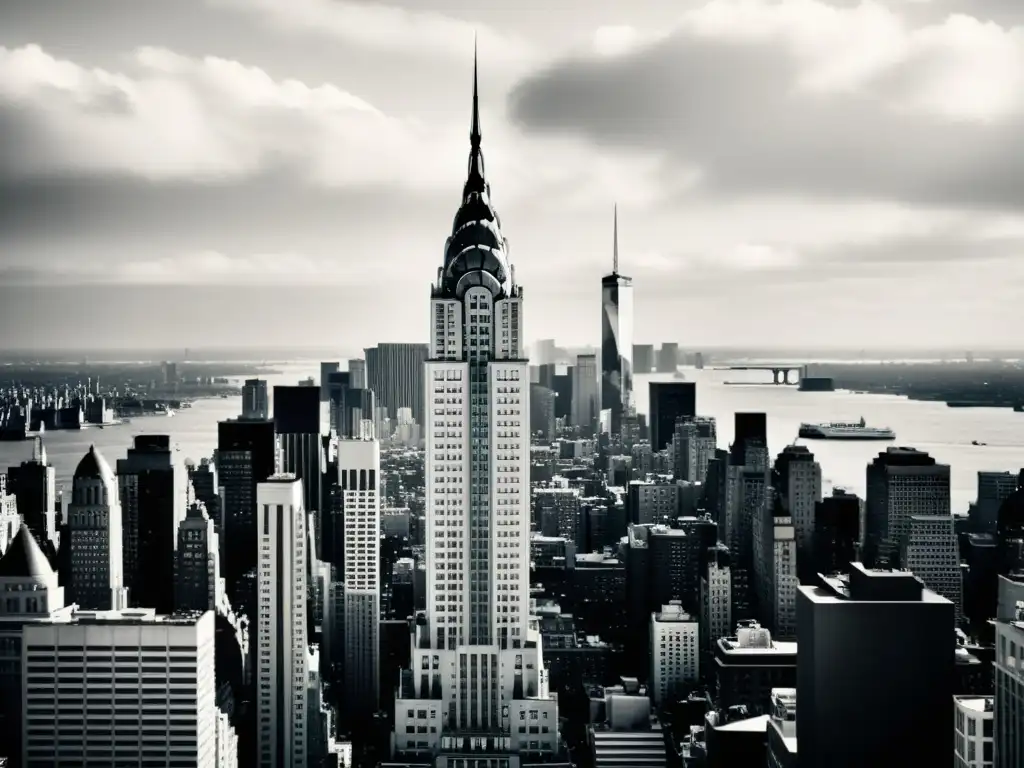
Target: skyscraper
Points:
(34, 485)
(901, 482)
(198, 585)
(395, 373)
(326, 369)
(796, 477)
(477, 676)
(152, 493)
(281, 671)
(357, 373)
(94, 529)
(255, 403)
(300, 447)
(586, 394)
(669, 402)
(616, 339)
(359, 486)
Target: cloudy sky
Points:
(245, 172)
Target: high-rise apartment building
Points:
(255, 400)
(775, 567)
(281, 672)
(477, 685)
(670, 401)
(898, 637)
(586, 394)
(901, 482)
(675, 653)
(931, 553)
(395, 373)
(94, 529)
(110, 688)
(716, 597)
(198, 585)
(359, 485)
(693, 445)
(616, 339)
(34, 485)
(152, 493)
(797, 480)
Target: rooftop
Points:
(137, 616)
(979, 704)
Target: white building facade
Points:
(972, 741)
(110, 688)
(477, 688)
(359, 482)
(675, 653)
(281, 654)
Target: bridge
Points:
(780, 371)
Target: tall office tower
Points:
(395, 373)
(675, 654)
(477, 675)
(198, 585)
(561, 383)
(746, 495)
(255, 401)
(775, 567)
(668, 357)
(643, 358)
(206, 490)
(542, 411)
(750, 440)
(993, 490)
(357, 373)
(836, 532)
(281, 672)
(301, 451)
(616, 339)
(94, 528)
(900, 483)
(693, 446)
(34, 486)
(31, 594)
(878, 637)
(359, 483)
(931, 553)
(1009, 691)
(670, 402)
(131, 687)
(357, 415)
(10, 520)
(326, 369)
(246, 456)
(152, 493)
(797, 478)
(338, 385)
(715, 597)
(586, 395)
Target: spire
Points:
(474, 131)
(615, 241)
(475, 181)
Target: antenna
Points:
(615, 244)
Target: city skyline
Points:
(285, 163)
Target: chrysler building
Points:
(477, 692)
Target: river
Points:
(946, 433)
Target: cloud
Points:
(389, 28)
(170, 117)
(803, 98)
(210, 268)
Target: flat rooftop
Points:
(136, 616)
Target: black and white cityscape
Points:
(298, 471)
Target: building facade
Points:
(675, 654)
(586, 395)
(395, 373)
(282, 637)
(972, 740)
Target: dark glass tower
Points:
(616, 339)
(670, 401)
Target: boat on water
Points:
(838, 430)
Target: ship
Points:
(845, 431)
